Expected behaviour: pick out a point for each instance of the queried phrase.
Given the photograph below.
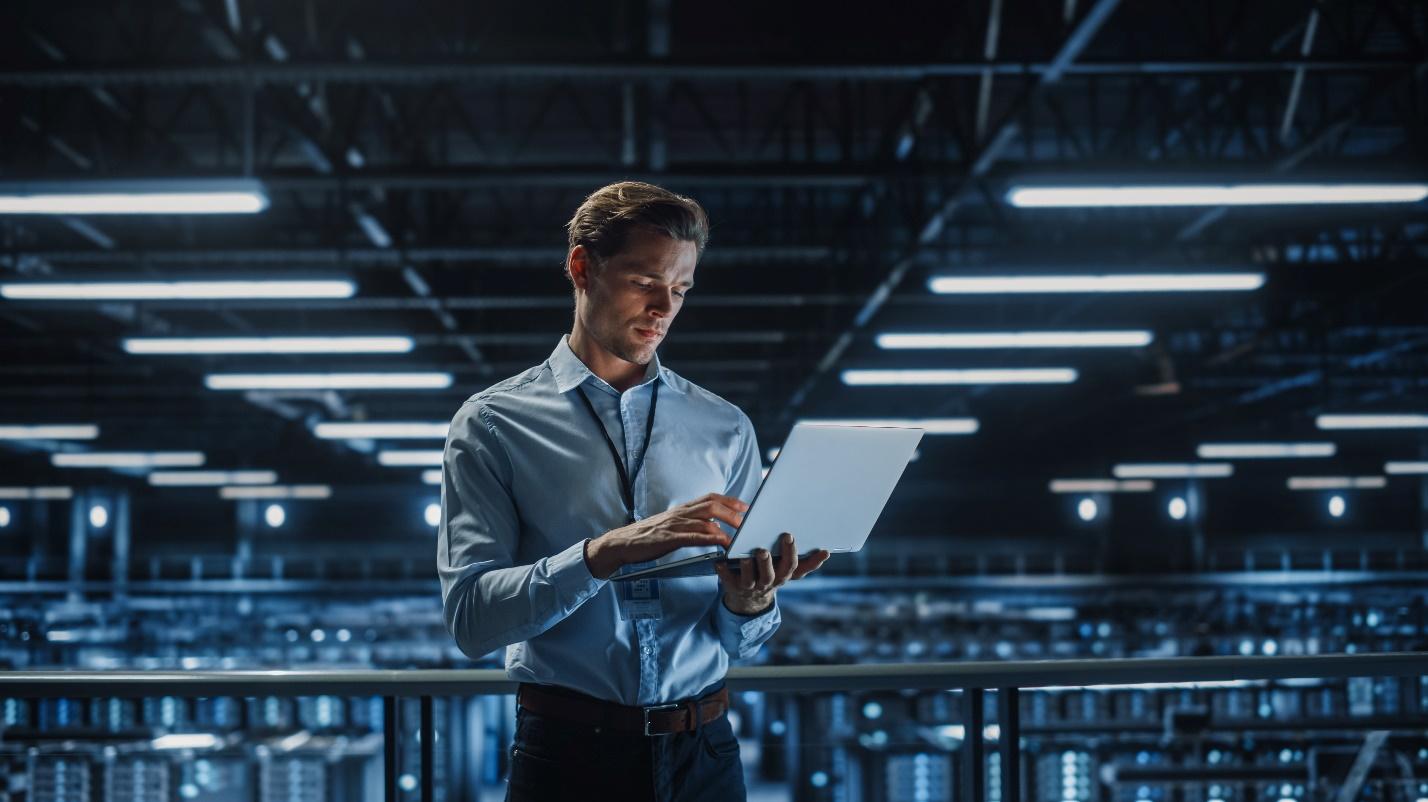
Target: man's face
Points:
(630, 302)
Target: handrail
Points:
(803, 678)
(974, 678)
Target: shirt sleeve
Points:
(743, 635)
(487, 600)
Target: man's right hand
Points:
(689, 524)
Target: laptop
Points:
(827, 486)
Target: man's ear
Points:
(577, 265)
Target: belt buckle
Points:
(658, 709)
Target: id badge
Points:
(639, 599)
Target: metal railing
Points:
(973, 678)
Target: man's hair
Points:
(604, 221)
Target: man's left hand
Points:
(751, 591)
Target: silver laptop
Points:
(827, 486)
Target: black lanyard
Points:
(627, 481)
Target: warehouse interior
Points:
(1185, 424)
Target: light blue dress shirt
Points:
(527, 479)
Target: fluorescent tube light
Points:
(380, 431)
(128, 459)
(327, 381)
(275, 491)
(1027, 197)
(60, 431)
(1018, 339)
(1173, 470)
(1409, 421)
(211, 478)
(1405, 468)
(1264, 450)
(185, 740)
(928, 425)
(402, 459)
(268, 345)
(175, 290)
(1101, 486)
(146, 196)
(36, 493)
(940, 377)
(431, 477)
(1127, 282)
(1336, 482)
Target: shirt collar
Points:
(570, 372)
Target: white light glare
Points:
(276, 491)
(1178, 509)
(1264, 450)
(211, 478)
(1101, 486)
(1337, 506)
(61, 431)
(406, 459)
(1213, 195)
(1372, 421)
(433, 514)
(1087, 509)
(1405, 468)
(928, 425)
(327, 381)
(4, 517)
(1017, 339)
(1173, 470)
(268, 345)
(128, 459)
(389, 431)
(150, 196)
(943, 377)
(1145, 282)
(185, 740)
(176, 290)
(275, 515)
(1337, 482)
(98, 516)
(432, 477)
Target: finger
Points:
(746, 574)
(729, 514)
(811, 563)
(787, 558)
(700, 533)
(733, 502)
(723, 571)
(765, 569)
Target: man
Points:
(596, 459)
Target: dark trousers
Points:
(555, 760)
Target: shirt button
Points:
(647, 650)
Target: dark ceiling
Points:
(431, 151)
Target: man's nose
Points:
(662, 303)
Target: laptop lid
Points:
(828, 486)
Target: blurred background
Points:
(1151, 274)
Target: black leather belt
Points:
(682, 716)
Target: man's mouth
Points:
(648, 334)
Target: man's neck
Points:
(616, 372)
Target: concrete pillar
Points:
(1195, 516)
(119, 519)
(78, 541)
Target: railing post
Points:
(974, 764)
(389, 748)
(1009, 742)
(428, 747)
